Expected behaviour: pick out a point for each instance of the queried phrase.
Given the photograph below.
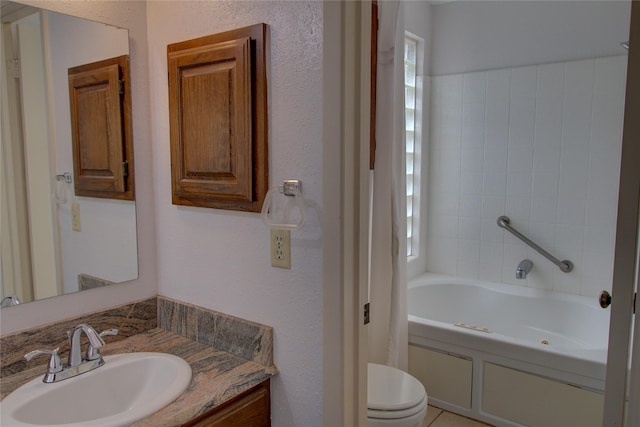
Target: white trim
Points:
(345, 219)
(626, 243)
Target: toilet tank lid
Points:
(390, 389)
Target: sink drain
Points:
(545, 341)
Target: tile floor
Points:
(436, 417)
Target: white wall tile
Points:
(451, 87)
(444, 170)
(549, 103)
(468, 269)
(495, 159)
(492, 253)
(510, 239)
(492, 207)
(469, 228)
(490, 272)
(601, 212)
(545, 183)
(491, 258)
(567, 283)
(578, 97)
(472, 160)
(520, 159)
(518, 209)
(470, 184)
(489, 231)
(519, 184)
(540, 144)
(522, 107)
(574, 172)
(497, 109)
(544, 234)
(597, 260)
(572, 211)
(442, 255)
(569, 241)
(608, 100)
(469, 250)
(443, 226)
(546, 156)
(544, 210)
(444, 203)
(495, 184)
(471, 205)
(473, 126)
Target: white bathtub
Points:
(559, 337)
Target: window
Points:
(412, 140)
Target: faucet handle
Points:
(112, 331)
(93, 352)
(55, 364)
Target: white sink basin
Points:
(128, 387)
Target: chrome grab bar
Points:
(564, 266)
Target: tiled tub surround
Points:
(540, 144)
(244, 359)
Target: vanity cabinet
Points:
(249, 409)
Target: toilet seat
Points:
(393, 394)
(394, 415)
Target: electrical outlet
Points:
(75, 216)
(280, 248)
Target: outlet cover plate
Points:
(281, 248)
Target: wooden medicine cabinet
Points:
(218, 120)
(100, 100)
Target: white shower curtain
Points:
(388, 330)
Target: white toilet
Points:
(395, 398)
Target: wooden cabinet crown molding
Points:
(218, 120)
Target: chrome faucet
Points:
(524, 268)
(75, 352)
(56, 371)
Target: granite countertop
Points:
(217, 376)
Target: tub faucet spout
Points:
(524, 268)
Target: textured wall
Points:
(220, 259)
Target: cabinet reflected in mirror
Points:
(54, 241)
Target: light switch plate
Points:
(75, 216)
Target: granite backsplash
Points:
(248, 340)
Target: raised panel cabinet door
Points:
(98, 127)
(217, 106)
(213, 100)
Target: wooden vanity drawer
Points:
(250, 409)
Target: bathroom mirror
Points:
(53, 241)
